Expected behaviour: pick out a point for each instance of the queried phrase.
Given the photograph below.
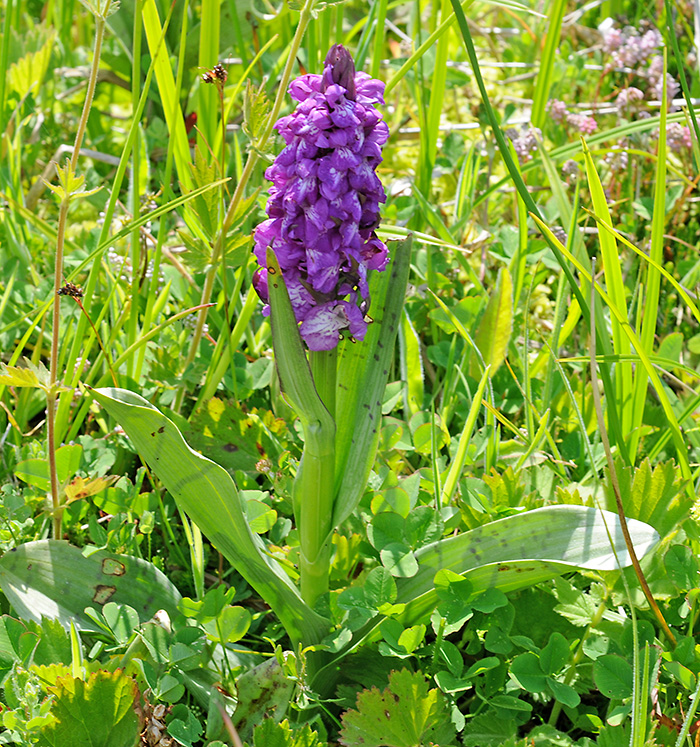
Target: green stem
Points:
(314, 485)
(58, 278)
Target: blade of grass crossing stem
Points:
(617, 295)
(411, 365)
(679, 442)
(135, 181)
(460, 457)
(189, 476)
(168, 94)
(208, 95)
(379, 39)
(313, 487)
(437, 102)
(544, 76)
(650, 306)
(363, 370)
(5, 59)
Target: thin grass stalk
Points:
(616, 486)
(379, 39)
(135, 185)
(251, 163)
(208, 57)
(682, 79)
(543, 83)
(517, 179)
(58, 274)
(653, 279)
(4, 60)
(94, 259)
(679, 441)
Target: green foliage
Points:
(461, 538)
(405, 714)
(98, 711)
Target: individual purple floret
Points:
(324, 201)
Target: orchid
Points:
(324, 202)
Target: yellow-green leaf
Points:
(495, 326)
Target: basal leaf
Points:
(53, 579)
(522, 550)
(206, 492)
(405, 714)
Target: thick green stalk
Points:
(314, 485)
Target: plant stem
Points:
(314, 485)
(252, 161)
(58, 275)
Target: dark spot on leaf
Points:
(103, 593)
(112, 567)
(376, 357)
(230, 448)
(161, 429)
(29, 566)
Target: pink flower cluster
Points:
(583, 123)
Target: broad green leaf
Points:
(96, 713)
(682, 567)
(53, 579)
(565, 694)
(262, 691)
(398, 559)
(206, 492)
(36, 471)
(517, 552)
(405, 714)
(495, 326)
(527, 671)
(28, 73)
(363, 370)
(613, 676)
(232, 624)
(555, 654)
(524, 549)
(655, 496)
(270, 734)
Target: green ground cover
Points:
(262, 483)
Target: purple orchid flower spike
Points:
(324, 201)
